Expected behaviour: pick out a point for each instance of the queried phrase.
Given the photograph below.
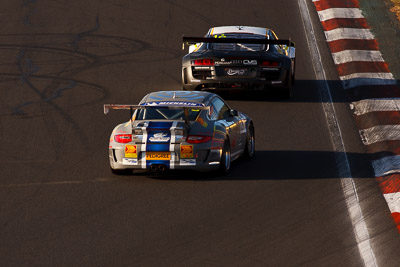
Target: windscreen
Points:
(238, 46)
(166, 113)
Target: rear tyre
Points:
(225, 164)
(287, 91)
(250, 147)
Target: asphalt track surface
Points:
(61, 206)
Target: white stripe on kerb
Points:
(372, 105)
(351, 83)
(348, 33)
(386, 165)
(340, 13)
(393, 200)
(356, 55)
(380, 133)
(370, 75)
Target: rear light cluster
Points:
(268, 63)
(197, 139)
(123, 138)
(203, 62)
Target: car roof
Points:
(238, 29)
(199, 97)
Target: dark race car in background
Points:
(180, 130)
(232, 57)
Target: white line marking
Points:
(348, 33)
(340, 13)
(356, 55)
(349, 188)
(393, 200)
(372, 105)
(380, 133)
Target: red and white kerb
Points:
(371, 87)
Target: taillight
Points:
(268, 63)
(196, 139)
(123, 138)
(203, 62)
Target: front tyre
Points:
(225, 163)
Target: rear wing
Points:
(195, 40)
(107, 107)
(290, 46)
(168, 104)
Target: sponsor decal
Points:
(187, 162)
(159, 137)
(223, 61)
(233, 72)
(186, 151)
(158, 156)
(130, 151)
(249, 62)
(128, 161)
(173, 103)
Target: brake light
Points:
(196, 139)
(203, 62)
(123, 138)
(268, 63)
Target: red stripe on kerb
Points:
(360, 23)
(396, 217)
(322, 5)
(361, 67)
(372, 119)
(389, 184)
(352, 44)
(391, 147)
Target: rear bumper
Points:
(260, 80)
(205, 160)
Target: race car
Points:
(180, 130)
(233, 57)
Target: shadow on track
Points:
(303, 91)
(275, 165)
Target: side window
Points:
(220, 109)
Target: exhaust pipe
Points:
(161, 168)
(157, 168)
(153, 168)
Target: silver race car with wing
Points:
(180, 130)
(232, 57)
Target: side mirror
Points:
(233, 113)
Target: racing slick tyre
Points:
(250, 147)
(287, 91)
(225, 164)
